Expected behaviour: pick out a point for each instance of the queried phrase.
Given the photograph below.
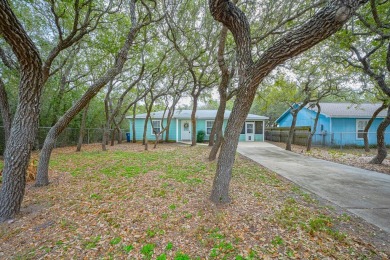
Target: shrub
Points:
(200, 136)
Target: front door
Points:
(250, 131)
(185, 130)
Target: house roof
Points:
(200, 114)
(348, 110)
(344, 110)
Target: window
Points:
(209, 126)
(156, 126)
(259, 127)
(360, 125)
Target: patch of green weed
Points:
(92, 243)
(115, 241)
(148, 250)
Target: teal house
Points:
(339, 123)
(180, 127)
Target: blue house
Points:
(339, 123)
(180, 127)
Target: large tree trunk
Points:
(323, 24)
(313, 131)
(113, 135)
(369, 123)
(220, 190)
(82, 128)
(5, 112)
(119, 131)
(222, 89)
(193, 119)
(25, 124)
(382, 151)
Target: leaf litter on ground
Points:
(131, 203)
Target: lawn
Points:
(135, 204)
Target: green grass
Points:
(175, 165)
(102, 210)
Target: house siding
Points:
(335, 131)
(200, 126)
(344, 132)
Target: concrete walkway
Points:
(362, 192)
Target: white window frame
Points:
(209, 127)
(357, 127)
(159, 126)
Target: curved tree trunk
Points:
(320, 26)
(294, 113)
(220, 190)
(369, 123)
(292, 129)
(62, 123)
(144, 138)
(222, 89)
(313, 131)
(133, 124)
(382, 151)
(105, 138)
(113, 135)
(25, 123)
(82, 128)
(5, 112)
(120, 134)
(193, 119)
(217, 127)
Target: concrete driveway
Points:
(362, 192)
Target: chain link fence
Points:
(68, 137)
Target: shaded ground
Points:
(356, 157)
(127, 203)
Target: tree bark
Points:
(217, 127)
(323, 24)
(113, 135)
(291, 131)
(369, 123)
(222, 89)
(313, 131)
(133, 123)
(25, 123)
(5, 112)
(294, 113)
(144, 139)
(193, 118)
(382, 150)
(107, 124)
(82, 128)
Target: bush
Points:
(200, 136)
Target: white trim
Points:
(357, 128)
(177, 130)
(182, 129)
(208, 127)
(155, 120)
(248, 136)
(263, 129)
